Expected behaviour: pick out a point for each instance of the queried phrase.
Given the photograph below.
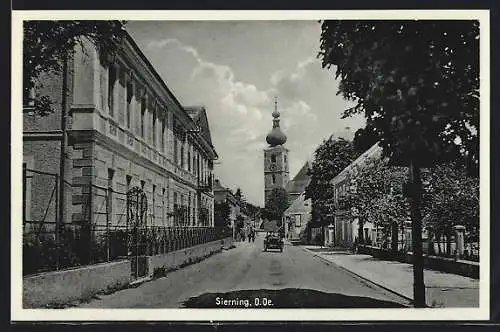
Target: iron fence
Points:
(107, 232)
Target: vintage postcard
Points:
(250, 165)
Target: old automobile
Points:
(273, 241)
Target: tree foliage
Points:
(364, 138)
(330, 158)
(276, 204)
(222, 213)
(416, 82)
(240, 222)
(376, 195)
(47, 44)
(451, 197)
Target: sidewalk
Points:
(442, 289)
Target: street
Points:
(246, 276)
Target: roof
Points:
(374, 152)
(298, 205)
(199, 116)
(218, 186)
(269, 225)
(299, 183)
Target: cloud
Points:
(240, 112)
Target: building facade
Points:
(345, 228)
(225, 195)
(298, 215)
(117, 126)
(276, 162)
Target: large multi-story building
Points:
(116, 125)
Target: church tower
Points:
(276, 171)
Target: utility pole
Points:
(415, 186)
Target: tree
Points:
(417, 83)
(330, 158)
(240, 223)
(364, 138)
(376, 196)
(451, 197)
(276, 204)
(48, 44)
(222, 213)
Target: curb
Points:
(358, 275)
(139, 281)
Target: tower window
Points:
(273, 158)
(274, 179)
(285, 159)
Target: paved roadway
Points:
(292, 279)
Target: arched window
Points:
(274, 179)
(273, 158)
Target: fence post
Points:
(90, 222)
(108, 194)
(56, 216)
(24, 193)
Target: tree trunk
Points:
(416, 217)
(394, 237)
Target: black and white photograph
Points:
(250, 166)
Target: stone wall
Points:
(61, 287)
(178, 258)
(450, 265)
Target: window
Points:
(109, 203)
(154, 126)
(176, 210)
(111, 88)
(153, 209)
(176, 156)
(298, 221)
(143, 112)
(29, 96)
(163, 206)
(182, 155)
(273, 158)
(163, 126)
(274, 179)
(142, 184)
(129, 180)
(183, 211)
(285, 158)
(189, 160)
(189, 208)
(130, 93)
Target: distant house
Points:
(298, 214)
(297, 217)
(225, 195)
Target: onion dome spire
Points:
(276, 136)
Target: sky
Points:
(235, 69)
